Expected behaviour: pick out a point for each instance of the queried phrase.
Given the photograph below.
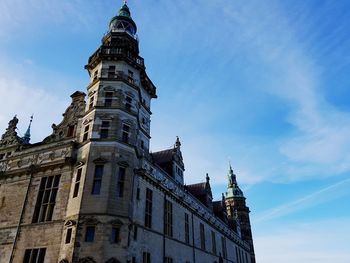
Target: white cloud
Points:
(315, 242)
(24, 98)
(321, 196)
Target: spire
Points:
(26, 137)
(233, 189)
(231, 177)
(207, 178)
(177, 143)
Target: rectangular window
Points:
(36, 255)
(223, 245)
(187, 229)
(86, 133)
(2, 156)
(237, 256)
(133, 259)
(115, 235)
(246, 257)
(168, 260)
(168, 218)
(96, 186)
(46, 199)
(90, 234)
(108, 99)
(77, 183)
(148, 208)
(138, 193)
(104, 130)
(111, 71)
(213, 242)
(202, 235)
(95, 75)
(128, 103)
(121, 181)
(68, 235)
(146, 257)
(70, 131)
(135, 232)
(91, 102)
(130, 77)
(125, 133)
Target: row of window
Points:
(241, 256)
(97, 181)
(108, 99)
(104, 132)
(91, 230)
(37, 255)
(168, 224)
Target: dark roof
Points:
(197, 189)
(163, 156)
(217, 206)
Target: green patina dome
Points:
(124, 11)
(233, 189)
(123, 21)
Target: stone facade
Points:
(92, 191)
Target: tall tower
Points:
(237, 209)
(115, 134)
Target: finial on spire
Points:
(26, 137)
(207, 178)
(177, 143)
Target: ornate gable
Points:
(68, 126)
(10, 137)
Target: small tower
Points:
(237, 210)
(26, 137)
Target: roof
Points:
(163, 156)
(197, 189)
(217, 206)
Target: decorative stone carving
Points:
(10, 138)
(70, 223)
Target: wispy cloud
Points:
(23, 97)
(321, 196)
(314, 242)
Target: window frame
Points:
(90, 232)
(97, 181)
(46, 199)
(148, 208)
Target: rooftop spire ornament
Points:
(26, 137)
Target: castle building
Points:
(92, 191)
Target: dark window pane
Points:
(90, 234)
(41, 256)
(76, 189)
(27, 256)
(115, 234)
(96, 188)
(68, 235)
(104, 133)
(98, 171)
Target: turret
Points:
(238, 212)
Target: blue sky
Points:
(262, 83)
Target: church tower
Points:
(237, 210)
(115, 134)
